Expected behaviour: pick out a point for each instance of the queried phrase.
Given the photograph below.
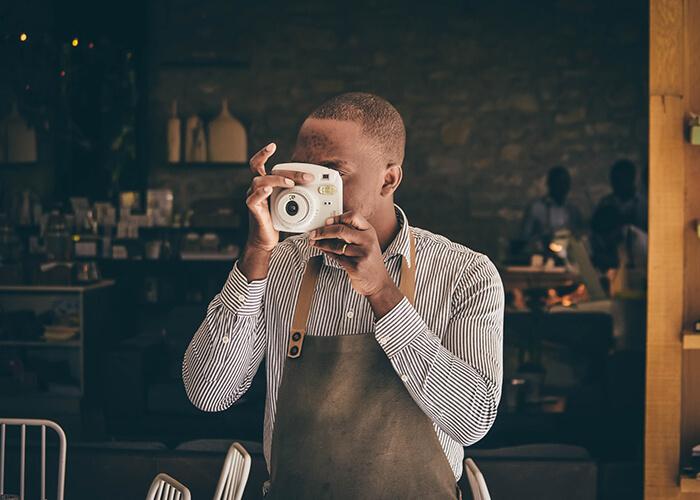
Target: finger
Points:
(336, 247)
(297, 177)
(272, 181)
(351, 218)
(257, 162)
(338, 231)
(258, 196)
(343, 260)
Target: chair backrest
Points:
(43, 424)
(165, 487)
(234, 474)
(476, 480)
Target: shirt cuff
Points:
(241, 297)
(398, 328)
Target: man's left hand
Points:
(353, 243)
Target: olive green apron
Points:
(346, 427)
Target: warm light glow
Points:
(555, 247)
(91, 45)
(75, 42)
(26, 87)
(566, 301)
(23, 37)
(63, 73)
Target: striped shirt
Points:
(447, 349)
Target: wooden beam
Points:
(666, 48)
(692, 167)
(665, 299)
(690, 416)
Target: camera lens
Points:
(292, 208)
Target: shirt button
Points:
(382, 340)
(404, 378)
(241, 297)
(224, 340)
(350, 314)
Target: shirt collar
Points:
(401, 244)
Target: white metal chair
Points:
(477, 483)
(165, 487)
(43, 424)
(234, 474)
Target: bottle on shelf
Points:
(174, 141)
(58, 238)
(195, 142)
(227, 138)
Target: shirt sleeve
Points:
(456, 381)
(232, 336)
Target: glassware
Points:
(59, 243)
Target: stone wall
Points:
(493, 93)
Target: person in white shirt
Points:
(383, 342)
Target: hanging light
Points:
(75, 42)
(23, 37)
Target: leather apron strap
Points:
(407, 286)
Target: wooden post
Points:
(672, 406)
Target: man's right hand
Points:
(262, 237)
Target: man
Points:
(619, 224)
(373, 389)
(625, 199)
(550, 213)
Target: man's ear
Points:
(392, 178)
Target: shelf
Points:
(690, 485)
(691, 340)
(54, 289)
(150, 263)
(211, 64)
(29, 343)
(207, 256)
(187, 229)
(23, 164)
(203, 164)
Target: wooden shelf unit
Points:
(690, 485)
(672, 421)
(81, 353)
(691, 340)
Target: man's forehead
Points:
(337, 142)
(321, 140)
(315, 139)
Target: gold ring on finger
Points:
(342, 252)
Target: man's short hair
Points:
(379, 120)
(623, 171)
(557, 172)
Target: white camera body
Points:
(306, 207)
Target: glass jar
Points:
(59, 243)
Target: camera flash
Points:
(327, 189)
